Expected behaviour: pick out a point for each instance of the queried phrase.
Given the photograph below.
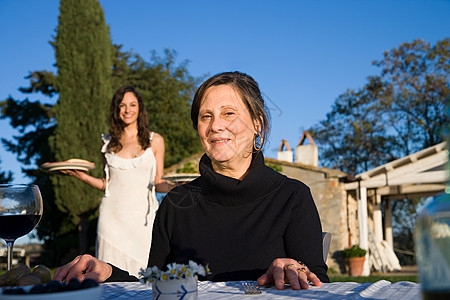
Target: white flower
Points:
(193, 266)
(165, 276)
(154, 269)
(174, 271)
(201, 270)
(183, 271)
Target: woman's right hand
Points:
(75, 173)
(291, 271)
(82, 267)
(97, 183)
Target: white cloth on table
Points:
(233, 290)
(127, 210)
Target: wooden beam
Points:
(422, 165)
(427, 177)
(411, 189)
(388, 223)
(436, 150)
(411, 195)
(407, 178)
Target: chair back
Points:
(326, 241)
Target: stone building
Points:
(350, 208)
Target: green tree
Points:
(416, 81)
(396, 113)
(35, 124)
(84, 56)
(351, 139)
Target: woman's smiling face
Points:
(225, 127)
(129, 108)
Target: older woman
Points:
(245, 220)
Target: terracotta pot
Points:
(355, 265)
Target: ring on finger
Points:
(289, 265)
(302, 269)
(302, 264)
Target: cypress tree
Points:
(84, 58)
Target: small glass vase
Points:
(175, 289)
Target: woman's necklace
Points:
(138, 150)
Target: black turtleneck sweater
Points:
(237, 227)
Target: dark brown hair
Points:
(117, 125)
(250, 94)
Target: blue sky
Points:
(304, 54)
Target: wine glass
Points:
(20, 211)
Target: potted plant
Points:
(355, 257)
(177, 281)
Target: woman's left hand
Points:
(287, 270)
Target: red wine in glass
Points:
(15, 226)
(20, 212)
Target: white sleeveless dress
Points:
(127, 210)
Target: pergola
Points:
(420, 174)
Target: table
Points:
(233, 290)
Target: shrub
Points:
(354, 251)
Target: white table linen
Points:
(233, 290)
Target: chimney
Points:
(287, 154)
(307, 154)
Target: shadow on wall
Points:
(339, 258)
